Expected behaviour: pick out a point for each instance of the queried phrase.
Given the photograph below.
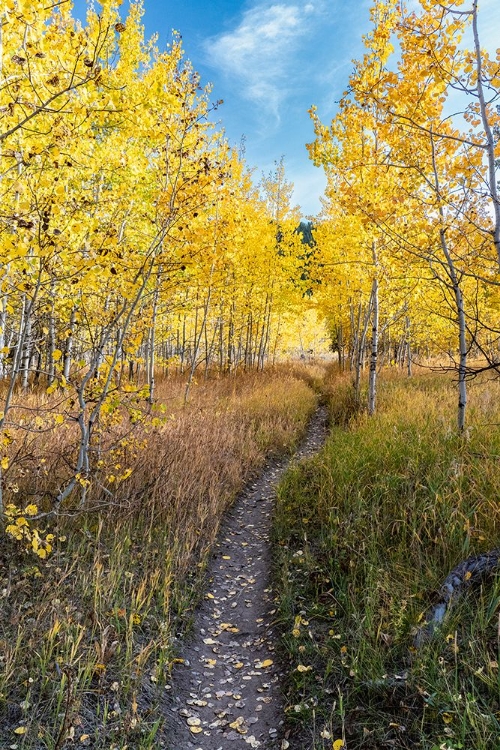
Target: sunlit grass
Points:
(365, 534)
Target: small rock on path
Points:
(227, 692)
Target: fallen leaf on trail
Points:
(209, 641)
(252, 741)
(195, 730)
(239, 725)
(193, 721)
(263, 664)
(338, 745)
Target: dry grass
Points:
(88, 636)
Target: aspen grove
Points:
(132, 238)
(410, 229)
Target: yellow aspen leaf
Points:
(20, 730)
(4, 463)
(56, 355)
(264, 664)
(338, 745)
(303, 668)
(59, 419)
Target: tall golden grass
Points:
(88, 636)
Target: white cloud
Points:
(260, 53)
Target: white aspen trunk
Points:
(276, 339)
(260, 332)
(355, 333)
(372, 382)
(459, 303)
(69, 345)
(361, 342)
(183, 344)
(490, 137)
(231, 354)
(52, 340)
(221, 340)
(248, 342)
(152, 353)
(462, 333)
(26, 352)
(408, 347)
(197, 338)
(86, 421)
(264, 334)
(3, 326)
(210, 347)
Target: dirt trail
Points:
(227, 692)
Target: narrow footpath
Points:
(226, 693)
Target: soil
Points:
(226, 692)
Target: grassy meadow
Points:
(88, 635)
(364, 534)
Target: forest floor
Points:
(226, 687)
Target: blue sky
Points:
(270, 60)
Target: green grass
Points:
(364, 535)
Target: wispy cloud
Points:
(261, 52)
